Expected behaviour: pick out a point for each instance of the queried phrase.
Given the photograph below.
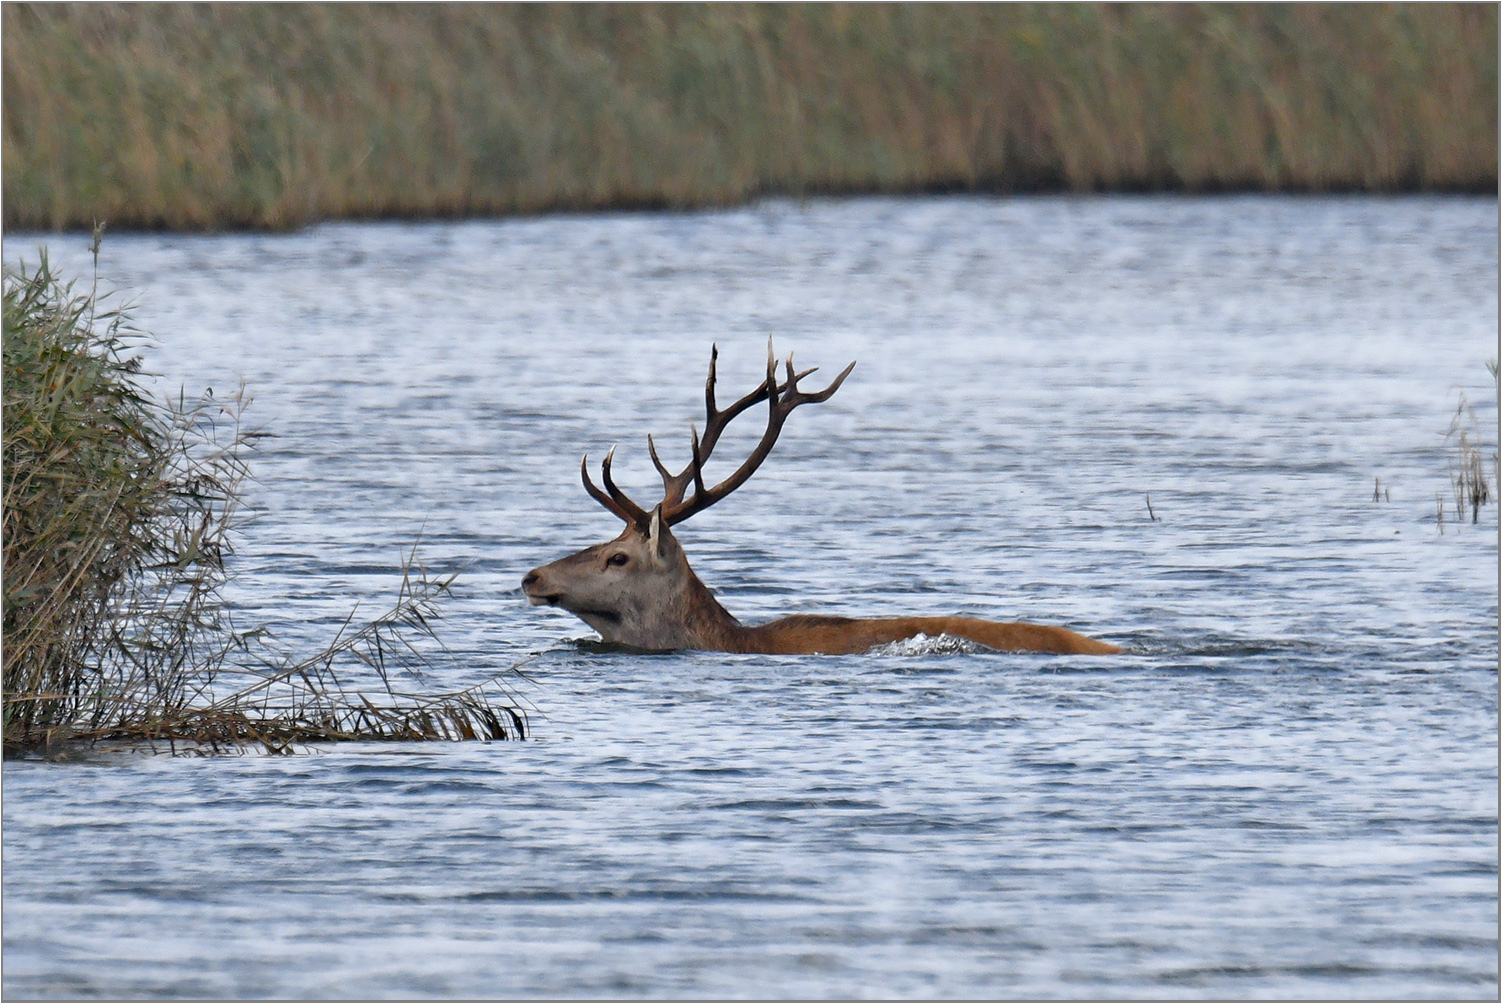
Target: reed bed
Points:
(250, 115)
(119, 515)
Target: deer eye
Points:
(617, 559)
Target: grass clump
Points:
(119, 511)
(274, 115)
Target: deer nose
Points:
(529, 579)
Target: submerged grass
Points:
(222, 115)
(119, 512)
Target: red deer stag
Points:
(638, 591)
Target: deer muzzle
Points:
(537, 592)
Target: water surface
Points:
(1288, 787)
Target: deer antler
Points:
(783, 397)
(617, 501)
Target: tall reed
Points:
(119, 513)
(223, 115)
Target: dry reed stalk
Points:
(1468, 480)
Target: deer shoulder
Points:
(639, 591)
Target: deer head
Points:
(638, 589)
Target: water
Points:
(1288, 788)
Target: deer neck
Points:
(707, 626)
(704, 623)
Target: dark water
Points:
(1288, 788)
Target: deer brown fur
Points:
(639, 591)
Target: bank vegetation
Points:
(270, 115)
(120, 512)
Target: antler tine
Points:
(667, 477)
(771, 373)
(827, 392)
(639, 515)
(698, 462)
(599, 496)
(709, 408)
(675, 485)
(617, 501)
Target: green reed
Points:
(119, 515)
(227, 115)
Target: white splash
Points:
(922, 644)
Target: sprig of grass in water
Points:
(119, 513)
(1468, 480)
(306, 700)
(301, 702)
(1495, 370)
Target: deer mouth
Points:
(556, 599)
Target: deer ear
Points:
(654, 536)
